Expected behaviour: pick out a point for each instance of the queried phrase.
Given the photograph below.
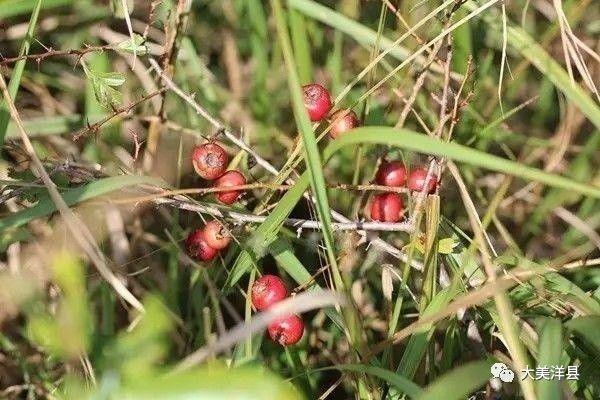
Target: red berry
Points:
(216, 235)
(230, 178)
(416, 180)
(209, 160)
(391, 173)
(316, 101)
(387, 207)
(268, 290)
(342, 121)
(198, 247)
(287, 331)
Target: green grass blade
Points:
(550, 351)
(45, 206)
(460, 382)
(15, 78)
(52, 125)
(363, 35)
(587, 327)
(424, 144)
(13, 8)
(301, 46)
(311, 150)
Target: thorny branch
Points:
(95, 127)
(79, 53)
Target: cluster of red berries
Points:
(268, 290)
(389, 207)
(318, 104)
(210, 162)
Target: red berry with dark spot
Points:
(209, 160)
(391, 173)
(287, 331)
(316, 100)
(416, 180)
(230, 178)
(198, 247)
(342, 121)
(216, 235)
(268, 290)
(387, 207)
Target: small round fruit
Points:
(316, 100)
(268, 290)
(387, 207)
(342, 121)
(391, 173)
(209, 160)
(287, 331)
(216, 235)
(198, 247)
(230, 178)
(416, 180)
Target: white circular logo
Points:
(500, 370)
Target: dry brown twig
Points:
(79, 53)
(95, 127)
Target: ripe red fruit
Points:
(216, 235)
(342, 121)
(387, 207)
(287, 331)
(230, 178)
(198, 247)
(317, 101)
(391, 173)
(268, 290)
(416, 180)
(209, 160)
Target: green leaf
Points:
(587, 328)
(134, 46)
(138, 352)
(103, 83)
(550, 351)
(94, 189)
(460, 382)
(213, 382)
(65, 331)
(447, 245)
(110, 78)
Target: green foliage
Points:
(104, 84)
(66, 331)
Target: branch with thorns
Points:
(79, 53)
